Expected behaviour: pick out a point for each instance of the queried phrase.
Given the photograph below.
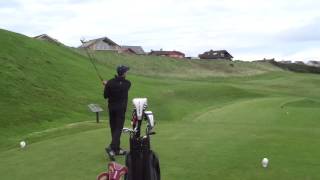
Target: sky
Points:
(248, 29)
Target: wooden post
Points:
(97, 117)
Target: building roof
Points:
(218, 54)
(137, 49)
(93, 41)
(47, 37)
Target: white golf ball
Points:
(265, 162)
(23, 144)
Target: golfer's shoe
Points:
(111, 154)
(121, 152)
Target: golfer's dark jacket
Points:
(116, 91)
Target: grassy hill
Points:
(45, 85)
(42, 85)
(157, 66)
(214, 120)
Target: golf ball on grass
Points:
(23, 144)
(265, 162)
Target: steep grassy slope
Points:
(42, 84)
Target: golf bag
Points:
(141, 161)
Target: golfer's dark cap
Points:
(122, 69)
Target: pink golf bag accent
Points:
(115, 172)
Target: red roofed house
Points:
(173, 54)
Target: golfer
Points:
(116, 91)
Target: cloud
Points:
(308, 32)
(249, 29)
(6, 4)
(305, 54)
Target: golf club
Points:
(91, 58)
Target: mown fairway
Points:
(209, 126)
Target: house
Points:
(136, 49)
(101, 44)
(221, 54)
(173, 54)
(314, 63)
(45, 37)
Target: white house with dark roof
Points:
(101, 44)
(220, 54)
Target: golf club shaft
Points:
(92, 62)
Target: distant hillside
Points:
(295, 67)
(182, 68)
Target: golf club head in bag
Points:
(139, 105)
(139, 113)
(150, 122)
(115, 172)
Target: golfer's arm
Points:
(106, 91)
(129, 85)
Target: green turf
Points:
(214, 120)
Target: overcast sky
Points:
(248, 29)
